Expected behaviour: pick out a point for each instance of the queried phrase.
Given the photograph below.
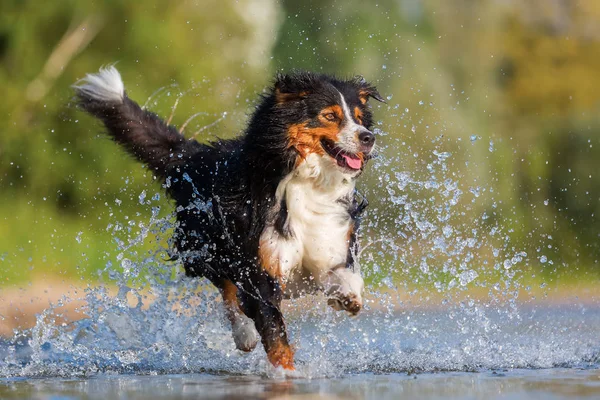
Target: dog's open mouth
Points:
(343, 158)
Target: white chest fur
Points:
(318, 223)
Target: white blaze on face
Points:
(350, 128)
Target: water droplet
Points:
(441, 155)
(142, 197)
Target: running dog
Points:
(270, 214)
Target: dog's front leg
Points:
(261, 301)
(344, 290)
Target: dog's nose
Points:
(366, 138)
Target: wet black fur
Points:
(225, 190)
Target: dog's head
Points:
(327, 117)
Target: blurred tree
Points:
(551, 58)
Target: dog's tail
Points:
(142, 133)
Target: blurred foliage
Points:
(520, 77)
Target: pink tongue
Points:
(352, 162)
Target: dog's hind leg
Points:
(244, 333)
(261, 301)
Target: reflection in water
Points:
(516, 384)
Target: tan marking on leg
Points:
(269, 261)
(236, 316)
(229, 293)
(282, 355)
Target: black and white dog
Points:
(272, 213)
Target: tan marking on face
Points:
(308, 140)
(336, 110)
(358, 115)
(269, 261)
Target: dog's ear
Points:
(292, 87)
(366, 90)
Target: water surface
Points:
(559, 383)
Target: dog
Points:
(268, 215)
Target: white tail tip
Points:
(106, 85)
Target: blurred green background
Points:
(510, 88)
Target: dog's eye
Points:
(330, 117)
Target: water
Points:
(519, 384)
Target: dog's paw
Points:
(244, 334)
(350, 303)
(281, 355)
(343, 290)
